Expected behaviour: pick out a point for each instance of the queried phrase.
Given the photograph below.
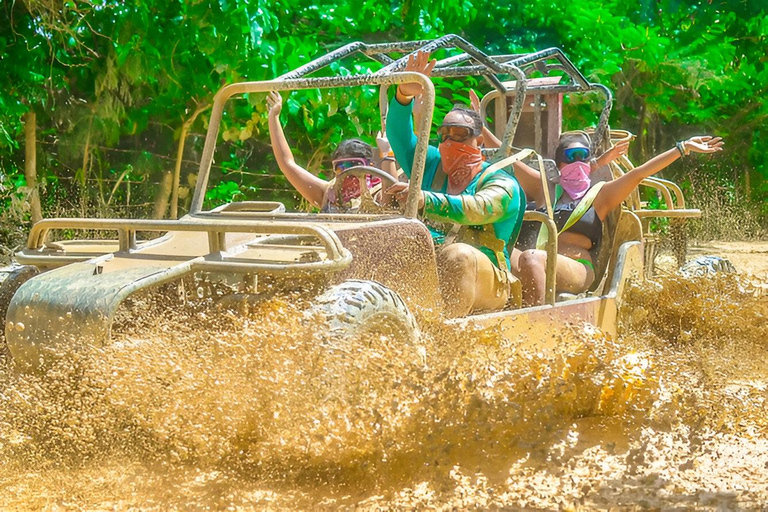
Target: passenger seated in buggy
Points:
(580, 207)
(349, 153)
(471, 208)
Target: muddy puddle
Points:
(265, 411)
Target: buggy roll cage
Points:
(470, 61)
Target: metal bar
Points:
(672, 214)
(550, 296)
(537, 124)
(331, 242)
(380, 57)
(660, 187)
(383, 107)
(228, 91)
(602, 131)
(404, 46)
(443, 42)
(245, 267)
(514, 118)
(496, 83)
(422, 143)
(323, 61)
(679, 198)
(207, 157)
(453, 60)
(427, 47)
(551, 53)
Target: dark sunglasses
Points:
(455, 132)
(342, 164)
(571, 155)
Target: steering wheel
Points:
(367, 203)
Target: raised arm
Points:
(308, 185)
(400, 134)
(399, 118)
(489, 139)
(615, 192)
(388, 164)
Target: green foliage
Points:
(113, 82)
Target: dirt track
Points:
(672, 415)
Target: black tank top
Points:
(588, 225)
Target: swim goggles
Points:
(342, 164)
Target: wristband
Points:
(388, 159)
(680, 145)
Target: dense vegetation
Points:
(117, 87)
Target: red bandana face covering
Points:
(461, 163)
(351, 188)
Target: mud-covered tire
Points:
(355, 307)
(11, 278)
(707, 265)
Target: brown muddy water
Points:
(195, 412)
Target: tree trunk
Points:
(84, 176)
(641, 133)
(748, 183)
(161, 199)
(179, 155)
(30, 165)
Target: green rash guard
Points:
(490, 198)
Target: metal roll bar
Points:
(226, 92)
(338, 256)
(550, 296)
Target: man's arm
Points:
(311, 187)
(400, 134)
(488, 205)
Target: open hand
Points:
(474, 100)
(274, 103)
(704, 144)
(617, 151)
(418, 62)
(382, 143)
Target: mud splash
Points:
(266, 411)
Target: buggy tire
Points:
(707, 265)
(357, 307)
(11, 278)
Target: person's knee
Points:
(459, 258)
(531, 260)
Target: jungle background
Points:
(118, 93)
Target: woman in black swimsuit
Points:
(577, 243)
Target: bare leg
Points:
(571, 276)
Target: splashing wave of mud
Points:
(265, 410)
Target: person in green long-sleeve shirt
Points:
(458, 191)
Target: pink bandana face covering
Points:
(574, 178)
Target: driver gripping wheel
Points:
(367, 202)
